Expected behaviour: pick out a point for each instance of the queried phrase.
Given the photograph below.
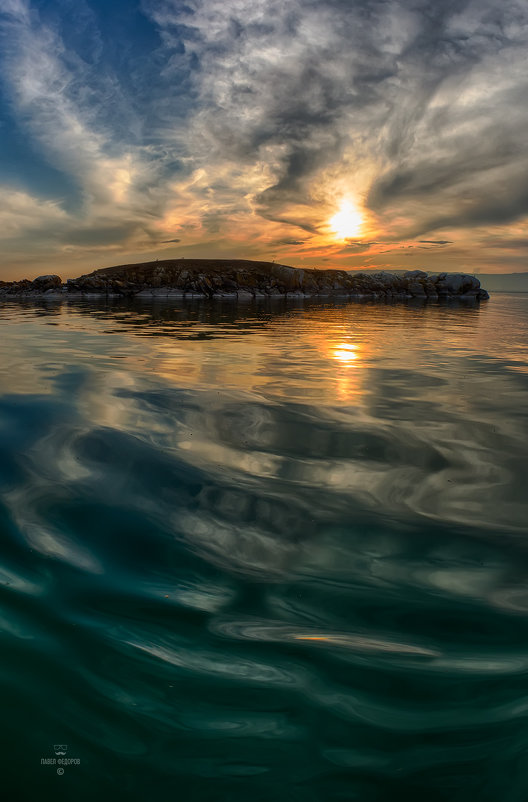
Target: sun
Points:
(348, 221)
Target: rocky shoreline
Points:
(246, 281)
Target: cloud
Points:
(357, 247)
(505, 243)
(417, 107)
(75, 111)
(47, 96)
(22, 213)
(241, 124)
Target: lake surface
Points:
(264, 553)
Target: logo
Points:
(60, 761)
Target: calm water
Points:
(265, 554)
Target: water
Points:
(266, 553)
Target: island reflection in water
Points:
(237, 536)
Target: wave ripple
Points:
(272, 553)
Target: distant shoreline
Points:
(245, 280)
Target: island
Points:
(246, 280)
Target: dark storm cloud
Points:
(436, 241)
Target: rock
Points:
(49, 282)
(387, 279)
(288, 278)
(245, 280)
(429, 287)
(48, 279)
(455, 282)
(416, 289)
(415, 274)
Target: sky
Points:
(361, 134)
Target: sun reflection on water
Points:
(345, 353)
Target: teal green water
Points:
(264, 553)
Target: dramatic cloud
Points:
(220, 127)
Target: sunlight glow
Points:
(348, 221)
(345, 353)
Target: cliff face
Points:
(245, 280)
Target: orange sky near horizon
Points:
(344, 235)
